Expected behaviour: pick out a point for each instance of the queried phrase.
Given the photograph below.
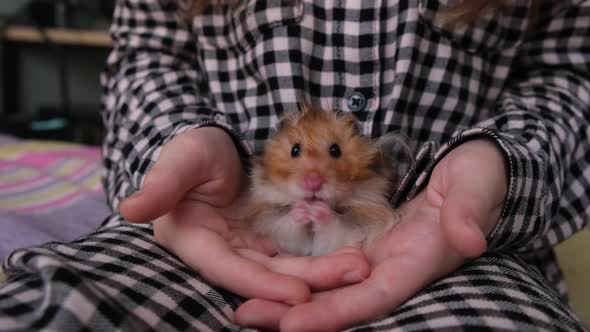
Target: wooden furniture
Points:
(61, 36)
(14, 37)
(72, 119)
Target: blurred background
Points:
(51, 56)
(52, 52)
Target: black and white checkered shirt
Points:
(396, 66)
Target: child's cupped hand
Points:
(198, 174)
(442, 226)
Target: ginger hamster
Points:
(319, 185)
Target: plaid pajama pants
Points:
(119, 278)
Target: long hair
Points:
(465, 12)
(188, 8)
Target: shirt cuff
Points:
(521, 219)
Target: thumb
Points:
(167, 182)
(163, 188)
(463, 214)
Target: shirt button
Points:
(356, 101)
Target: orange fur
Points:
(316, 130)
(354, 188)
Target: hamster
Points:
(319, 185)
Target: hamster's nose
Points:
(313, 181)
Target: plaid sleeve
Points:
(541, 123)
(154, 89)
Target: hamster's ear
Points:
(288, 119)
(350, 120)
(396, 156)
(395, 147)
(304, 108)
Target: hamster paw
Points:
(301, 212)
(320, 212)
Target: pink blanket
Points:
(49, 191)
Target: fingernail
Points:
(351, 277)
(136, 194)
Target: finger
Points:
(348, 306)
(172, 176)
(162, 190)
(209, 254)
(261, 314)
(346, 266)
(388, 286)
(463, 215)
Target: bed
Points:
(49, 191)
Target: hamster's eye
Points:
(295, 150)
(335, 151)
